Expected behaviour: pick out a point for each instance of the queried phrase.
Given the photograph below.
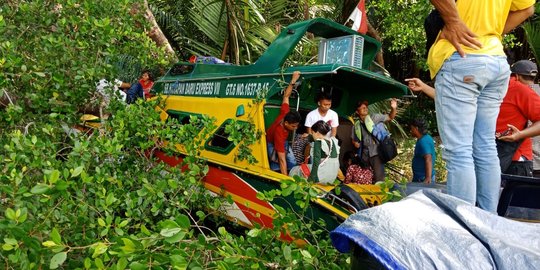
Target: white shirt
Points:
(331, 118)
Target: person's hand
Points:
(415, 84)
(393, 103)
(427, 181)
(457, 33)
(511, 136)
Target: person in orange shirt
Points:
(141, 89)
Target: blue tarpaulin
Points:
(432, 230)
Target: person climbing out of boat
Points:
(325, 153)
(362, 136)
(141, 89)
(279, 153)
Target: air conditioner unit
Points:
(342, 50)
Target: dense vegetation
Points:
(97, 200)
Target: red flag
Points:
(358, 16)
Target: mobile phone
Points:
(506, 132)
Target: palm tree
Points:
(237, 31)
(532, 32)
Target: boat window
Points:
(181, 69)
(219, 142)
(182, 117)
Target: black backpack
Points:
(387, 149)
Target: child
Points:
(354, 172)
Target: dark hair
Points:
(292, 117)
(150, 75)
(323, 95)
(349, 155)
(527, 77)
(361, 102)
(420, 123)
(321, 127)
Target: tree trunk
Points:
(155, 32)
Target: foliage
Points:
(235, 31)
(400, 167)
(99, 200)
(532, 31)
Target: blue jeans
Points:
(134, 92)
(469, 93)
(291, 160)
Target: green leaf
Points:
(306, 254)
(10, 214)
(77, 171)
(168, 232)
(175, 238)
(58, 259)
(123, 223)
(49, 244)
(222, 231)
(40, 189)
(55, 236)
(232, 260)
(183, 221)
(287, 253)
(99, 248)
(254, 232)
(129, 246)
(55, 174)
(145, 230)
(99, 263)
(101, 222)
(121, 264)
(137, 266)
(87, 263)
(110, 199)
(11, 241)
(7, 247)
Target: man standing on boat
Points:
(279, 153)
(323, 112)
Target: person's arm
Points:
(334, 131)
(282, 162)
(417, 85)
(429, 167)
(317, 150)
(289, 88)
(515, 18)
(354, 138)
(516, 134)
(393, 112)
(455, 30)
(335, 121)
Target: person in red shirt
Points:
(141, 89)
(520, 105)
(279, 154)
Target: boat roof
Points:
(352, 83)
